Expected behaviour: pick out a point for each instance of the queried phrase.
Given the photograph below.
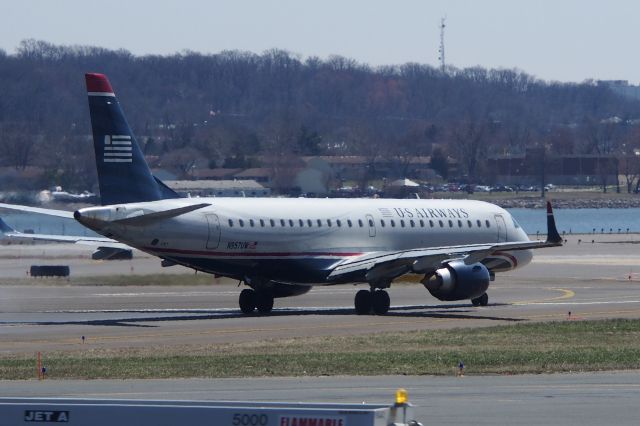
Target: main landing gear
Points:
(481, 301)
(250, 300)
(367, 301)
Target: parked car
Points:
(502, 188)
(482, 188)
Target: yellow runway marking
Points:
(566, 294)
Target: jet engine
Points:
(457, 281)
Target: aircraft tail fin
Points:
(552, 232)
(123, 173)
(4, 228)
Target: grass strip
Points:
(513, 349)
(120, 280)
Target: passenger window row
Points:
(319, 223)
(432, 224)
(309, 223)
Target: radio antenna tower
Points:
(441, 49)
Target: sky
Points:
(558, 40)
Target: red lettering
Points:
(311, 421)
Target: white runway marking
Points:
(171, 294)
(587, 260)
(603, 302)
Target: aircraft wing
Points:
(49, 212)
(389, 265)
(9, 232)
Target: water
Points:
(580, 221)
(42, 224)
(577, 221)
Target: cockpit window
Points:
(515, 223)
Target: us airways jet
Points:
(282, 247)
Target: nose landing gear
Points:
(481, 301)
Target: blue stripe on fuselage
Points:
(299, 270)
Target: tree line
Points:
(241, 109)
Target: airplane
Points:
(279, 247)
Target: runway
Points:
(570, 399)
(591, 281)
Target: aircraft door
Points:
(502, 228)
(372, 225)
(213, 239)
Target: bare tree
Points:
(367, 142)
(629, 159)
(182, 160)
(629, 164)
(600, 137)
(18, 145)
(469, 140)
(278, 146)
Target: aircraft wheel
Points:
(264, 302)
(484, 299)
(362, 302)
(380, 302)
(247, 301)
(481, 301)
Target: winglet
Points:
(553, 236)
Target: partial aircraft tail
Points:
(123, 173)
(4, 228)
(552, 232)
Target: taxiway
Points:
(578, 281)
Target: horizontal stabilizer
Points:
(148, 218)
(39, 210)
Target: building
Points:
(528, 169)
(218, 188)
(622, 87)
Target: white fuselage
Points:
(298, 240)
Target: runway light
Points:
(402, 397)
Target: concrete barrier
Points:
(49, 271)
(18, 411)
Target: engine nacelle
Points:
(288, 290)
(457, 281)
(277, 289)
(112, 253)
